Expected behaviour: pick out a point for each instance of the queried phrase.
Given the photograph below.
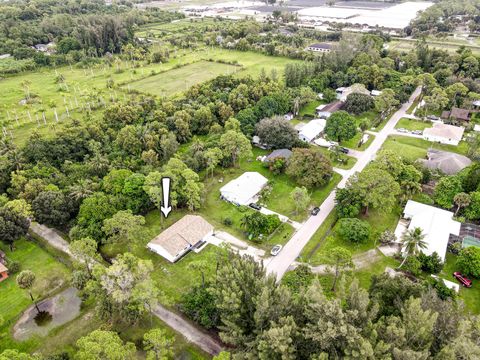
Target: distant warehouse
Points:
(320, 47)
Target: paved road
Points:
(279, 265)
(204, 341)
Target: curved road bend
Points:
(279, 264)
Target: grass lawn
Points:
(471, 297)
(180, 79)
(414, 148)
(216, 211)
(51, 276)
(410, 124)
(379, 222)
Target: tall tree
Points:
(341, 260)
(123, 227)
(341, 126)
(309, 167)
(413, 243)
(301, 198)
(235, 146)
(12, 226)
(26, 280)
(158, 345)
(106, 345)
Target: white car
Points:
(402, 130)
(276, 249)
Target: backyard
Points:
(51, 276)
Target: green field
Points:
(413, 148)
(82, 87)
(178, 80)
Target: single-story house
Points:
(188, 233)
(444, 133)
(244, 189)
(279, 153)
(320, 47)
(456, 114)
(343, 92)
(312, 129)
(325, 110)
(447, 162)
(436, 224)
(3, 272)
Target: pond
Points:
(51, 312)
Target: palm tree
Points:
(413, 243)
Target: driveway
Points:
(280, 263)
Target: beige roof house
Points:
(179, 238)
(443, 133)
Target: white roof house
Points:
(436, 224)
(312, 129)
(244, 189)
(444, 133)
(181, 237)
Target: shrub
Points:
(443, 291)
(227, 221)
(302, 277)
(199, 305)
(13, 267)
(431, 264)
(469, 261)
(354, 230)
(387, 237)
(412, 265)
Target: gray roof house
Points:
(279, 153)
(447, 162)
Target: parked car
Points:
(255, 206)
(462, 279)
(433, 117)
(344, 150)
(417, 132)
(276, 249)
(402, 130)
(315, 210)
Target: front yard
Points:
(413, 148)
(412, 125)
